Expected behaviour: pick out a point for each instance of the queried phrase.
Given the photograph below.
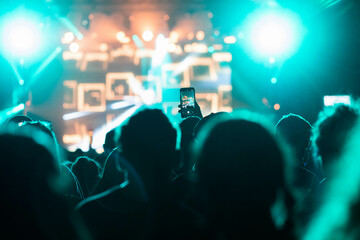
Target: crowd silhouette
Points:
(231, 175)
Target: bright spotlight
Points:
(147, 36)
(21, 37)
(273, 33)
(74, 47)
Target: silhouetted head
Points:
(296, 131)
(109, 144)
(15, 121)
(149, 134)
(87, 172)
(149, 141)
(46, 128)
(26, 166)
(30, 203)
(206, 119)
(241, 169)
(331, 131)
(237, 150)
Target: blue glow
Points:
(138, 41)
(21, 37)
(273, 80)
(273, 32)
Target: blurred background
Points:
(87, 65)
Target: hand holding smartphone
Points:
(188, 106)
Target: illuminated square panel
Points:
(91, 97)
(118, 85)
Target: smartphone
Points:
(187, 101)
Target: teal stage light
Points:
(21, 37)
(273, 33)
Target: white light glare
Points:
(21, 37)
(147, 36)
(273, 33)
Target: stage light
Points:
(21, 37)
(147, 36)
(161, 46)
(200, 35)
(273, 80)
(230, 40)
(121, 104)
(174, 37)
(68, 38)
(272, 33)
(74, 115)
(74, 47)
(120, 36)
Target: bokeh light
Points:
(120, 36)
(230, 40)
(74, 47)
(147, 36)
(200, 35)
(277, 106)
(68, 38)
